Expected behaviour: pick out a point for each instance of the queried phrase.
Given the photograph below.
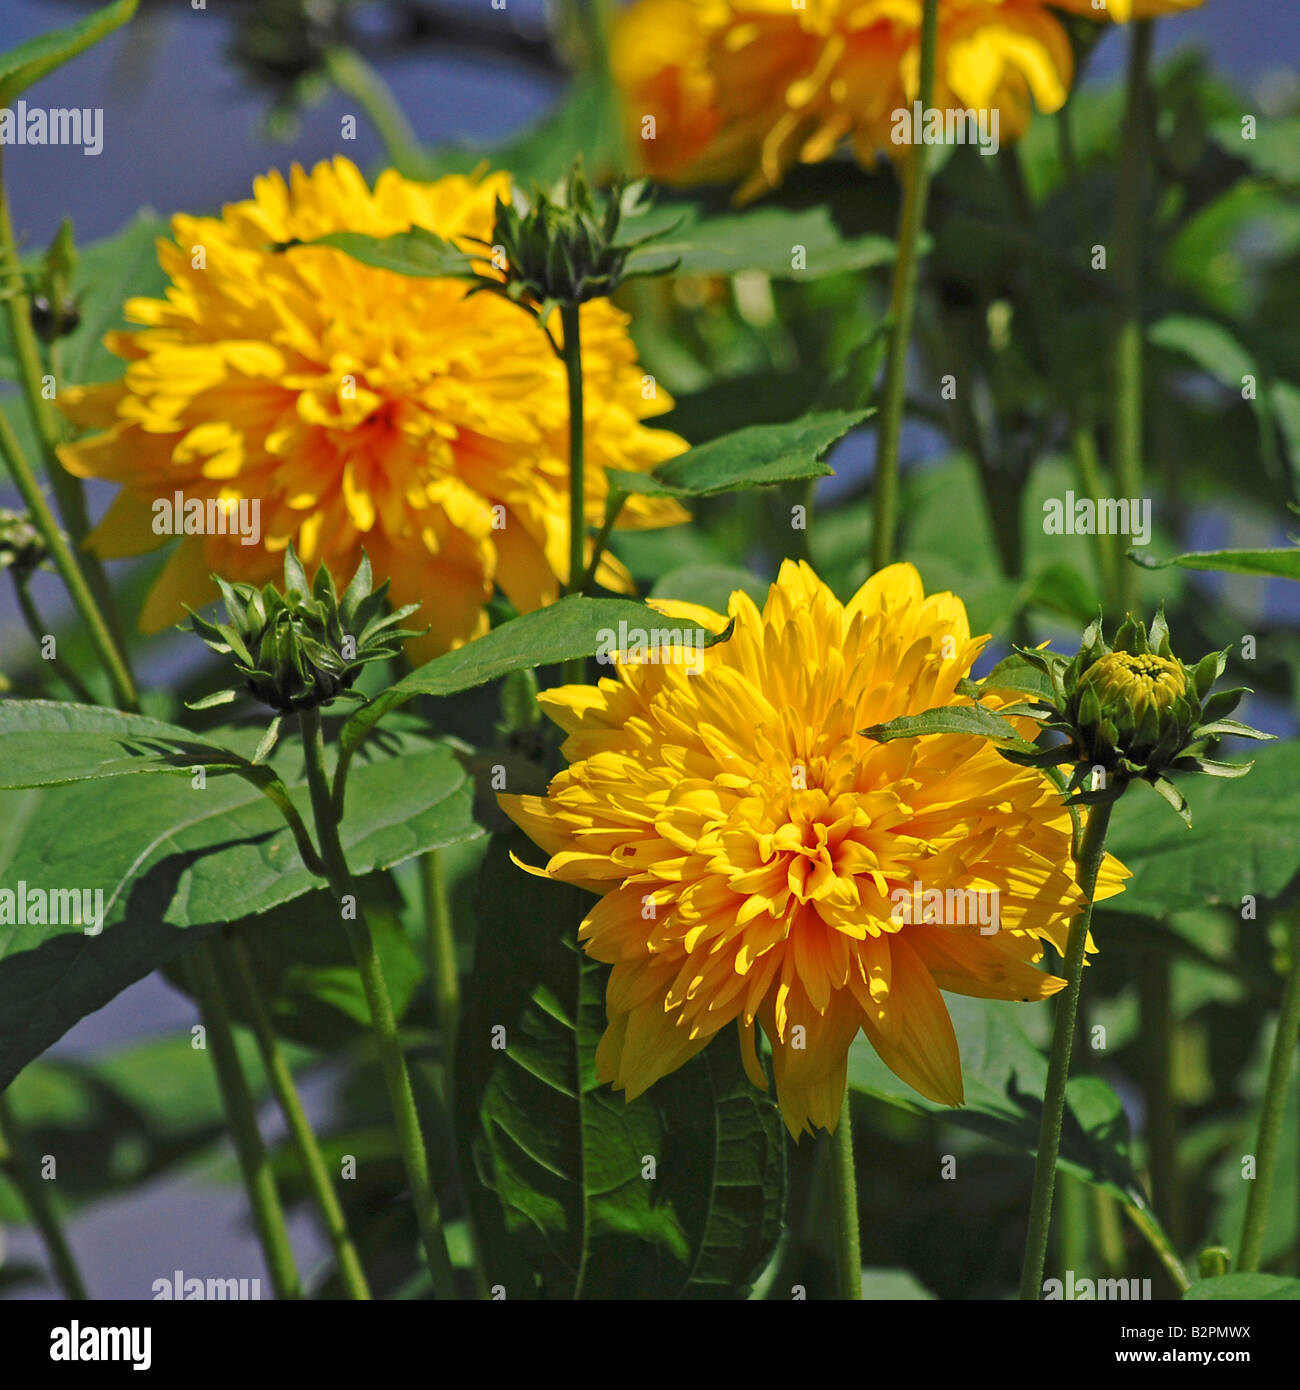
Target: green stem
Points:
(1156, 1039)
(1271, 1116)
(241, 1115)
(1154, 1235)
(300, 1131)
(442, 952)
(46, 422)
(575, 672)
(902, 308)
(1110, 1234)
(397, 1079)
(1127, 357)
(34, 625)
(15, 1160)
(1091, 852)
(613, 506)
(352, 75)
(70, 572)
(848, 1253)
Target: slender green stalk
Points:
(441, 940)
(36, 1196)
(241, 1115)
(397, 1079)
(351, 74)
(1154, 1235)
(902, 308)
(280, 1076)
(613, 506)
(65, 562)
(1091, 852)
(1072, 1228)
(46, 421)
(848, 1253)
(1271, 1116)
(1127, 355)
(34, 625)
(1109, 1232)
(570, 322)
(1156, 1039)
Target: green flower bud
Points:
(563, 247)
(1132, 702)
(306, 646)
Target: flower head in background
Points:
(1121, 11)
(741, 90)
(358, 408)
(760, 862)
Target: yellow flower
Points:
(760, 861)
(743, 89)
(358, 408)
(1121, 11)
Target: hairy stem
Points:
(848, 1254)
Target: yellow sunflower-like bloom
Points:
(760, 861)
(1121, 11)
(743, 89)
(359, 408)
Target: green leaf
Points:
(174, 861)
(574, 627)
(954, 719)
(1249, 1287)
(1176, 868)
(418, 252)
(1284, 564)
(554, 1161)
(44, 743)
(30, 61)
(767, 240)
(1004, 1075)
(756, 456)
(1025, 677)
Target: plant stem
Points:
(280, 1076)
(46, 422)
(1156, 1040)
(1271, 1116)
(45, 1217)
(848, 1254)
(387, 1043)
(902, 308)
(34, 625)
(613, 506)
(352, 75)
(571, 326)
(65, 562)
(241, 1115)
(442, 951)
(1091, 852)
(1127, 359)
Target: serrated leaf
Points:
(954, 719)
(174, 861)
(418, 252)
(554, 1161)
(756, 456)
(563, 631)
(1284, 563)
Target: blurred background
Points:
(196, 103)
